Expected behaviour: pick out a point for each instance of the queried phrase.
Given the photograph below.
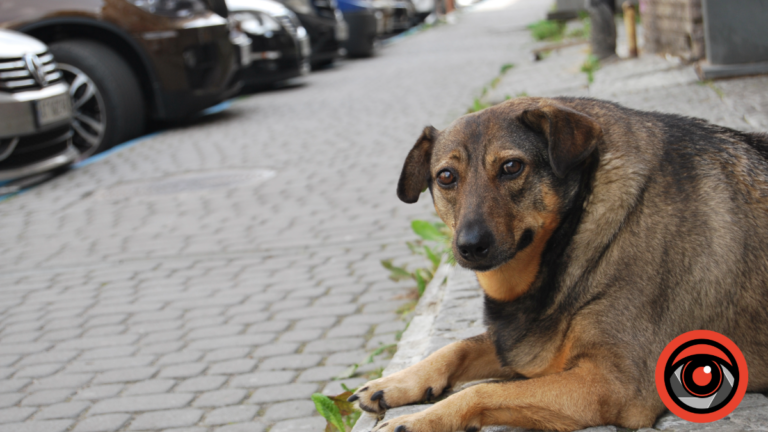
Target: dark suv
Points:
(131, 60)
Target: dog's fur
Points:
(623, 230)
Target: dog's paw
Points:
(393, 391)
(421, 422)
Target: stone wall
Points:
(673, 27)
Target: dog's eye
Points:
(512, 168)
(446, 178)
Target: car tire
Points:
(108, 102)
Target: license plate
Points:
(53, 109)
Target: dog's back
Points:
(691, 251)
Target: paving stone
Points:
(110, 352)
(279, 393)
(308, 424)
(268, 327)
(220, 398)
(292, 409)
(226, 354)
(10, 399)
(345, 331)
(232, 341)
(125, 375)
(38, 371)
(322, 373)
(150, 387)
(202, 383)
(183, 370)
(180, 357)
(110, 364)
(276, 349)
(233, 367)
(301, 335)
(102, 423)
(62, 410)
(334, 345)
(293, 361)
(334, 388)
(12, 385)
(166, 419)
(233, 414)
(324, 322)
(346, 358)
(97, 392)
(72, 381)
(47, 397)
(37, 426)
(243, 427)
(142, 403)
(15, 414)
(261, 379)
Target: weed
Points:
(590, 65)
(582, 32)
(547, 30)
(506, 67)
(716, 89)
(477, 105)
(338, 413)
(439, 236)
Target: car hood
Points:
(14, 44)
(270, 7)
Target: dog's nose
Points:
(474, 242)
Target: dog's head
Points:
(500, 178)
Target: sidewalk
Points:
(453, 311)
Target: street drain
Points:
(186, 183)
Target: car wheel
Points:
(106, 96)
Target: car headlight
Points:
(171, 8)
(300, 6)
(256, 23)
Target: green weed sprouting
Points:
(338, 413)
(590, 66)
(547, 30)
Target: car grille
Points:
(287, 24)
(15, 76)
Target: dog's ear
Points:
(572, 136)
(415, 175)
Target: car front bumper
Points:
(18, 111)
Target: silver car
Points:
(35, 109)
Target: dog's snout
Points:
(474, 242)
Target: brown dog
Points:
(598, 234)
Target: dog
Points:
(598, 234)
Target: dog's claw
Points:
(353, 398)
(401, 428)
(378, 395)
(430, 395)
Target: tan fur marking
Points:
(467, 360)
(515, 277)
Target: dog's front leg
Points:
(466, 360)
(570, 400)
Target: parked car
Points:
(326, 27)
(131, 60)
(280, 46)
(35, 109)
(366, 24)
(399, 15)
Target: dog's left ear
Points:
(415, 175)
(572, 136)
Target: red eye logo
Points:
(701, 376)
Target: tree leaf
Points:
(345, 408)
(328, 409)
(427, 231)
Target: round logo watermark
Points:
(701, 376)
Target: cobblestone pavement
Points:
(214, 276)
